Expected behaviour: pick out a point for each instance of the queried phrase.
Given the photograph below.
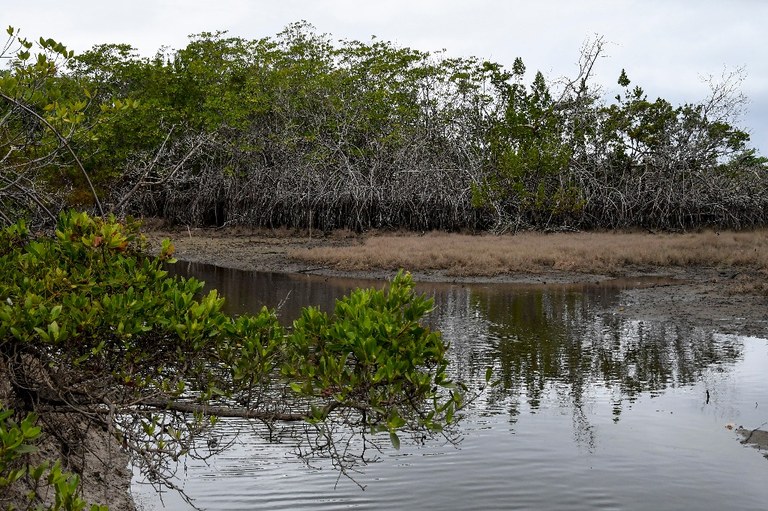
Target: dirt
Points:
(100, 463)
(704, 296)
(756, 438)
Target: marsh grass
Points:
(584, 252)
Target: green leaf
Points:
(37, 472)
(42, 333)
(395, 422)
(14, 475)
(26, 449)
(53, 331)
(395, 440)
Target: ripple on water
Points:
(594, 411)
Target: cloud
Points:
(665, 46)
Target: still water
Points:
(595, 410)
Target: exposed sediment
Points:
(708, 292)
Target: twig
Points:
(63, 141)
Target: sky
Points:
(668, 47)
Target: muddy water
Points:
(594, 411)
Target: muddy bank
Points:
(100, 463)
(756, 438)
(720, 297)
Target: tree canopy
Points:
(299, 130)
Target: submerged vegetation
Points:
(300, 131)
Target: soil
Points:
(100, 463)
(707, 297)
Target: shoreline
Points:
(721, 298)
(707, 297)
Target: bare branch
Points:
(63, 141)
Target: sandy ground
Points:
(710, 297)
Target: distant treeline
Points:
(297, 130)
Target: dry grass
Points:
(588, 252)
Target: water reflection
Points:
(560, 346)
(544, 339)
(593, 408)
(249, 291)
(549, 345)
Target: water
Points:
(594, 411)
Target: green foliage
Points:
(528, 160)
(623, 79)
(87, 310)
(102, 307)
(47, 118)
(299, 130)
(372, 354)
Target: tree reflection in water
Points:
(550, 346)
(555, 346)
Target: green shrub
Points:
(91, 326)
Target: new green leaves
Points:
(373, 356)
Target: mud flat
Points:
(756, 438)
(709, 279)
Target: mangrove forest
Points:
(299, 130)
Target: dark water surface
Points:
(595, 411)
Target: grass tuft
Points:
(584, 252)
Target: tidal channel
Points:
(594, 410)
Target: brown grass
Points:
(587, 252)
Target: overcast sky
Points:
(666, 46)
